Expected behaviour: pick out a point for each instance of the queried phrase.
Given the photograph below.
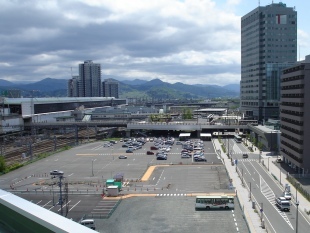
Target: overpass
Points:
(193, 126)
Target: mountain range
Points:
(155, 88)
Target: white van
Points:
(283, 204)
(90, 223)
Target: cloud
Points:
(192, 41)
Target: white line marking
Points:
(46, 204)
(75, 205)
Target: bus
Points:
(215, 202)
(237, 138)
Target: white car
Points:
(287, 195)
(185, 156)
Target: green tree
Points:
(187, 114)
(260, 146)
(2, 164)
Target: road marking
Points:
(86, 154)
(38, 202)
(75, 205)
(71, 174)
(154, 178)
(270, 196)
(263, 212)
(56, 160)
(64, 205)
(46, 204)
(247, 169)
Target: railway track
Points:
(44, 146)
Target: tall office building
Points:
(295, 115)
(89, 79)
(268, 45)
(110, 88)
(73, 87)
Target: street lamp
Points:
(297, 204)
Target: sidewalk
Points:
(252, 218)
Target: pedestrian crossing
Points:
(247, 160)
(270, 196)
(171, 195)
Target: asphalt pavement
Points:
(260, 174)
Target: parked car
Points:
(185, 156)
(279, 160)
(122, 157)
(154, 148)
(124, 145)
(90, 223)
(287, 195)
(149, 152)
(161, 158)
(200, 159)
(283, 204)
(129, 151)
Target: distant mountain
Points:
(5, 83)
(159, 89)
(233, 87)
(155, 88)
(47, 85)
(134, 82)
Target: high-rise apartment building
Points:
(110, 88)
(268, 45)
(73, 87)
(295, 115)
(89, 79)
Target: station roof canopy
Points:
(184, 135)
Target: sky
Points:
(188, 41)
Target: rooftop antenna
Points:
(71, 72)
(258, 2)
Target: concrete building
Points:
(295, 115)
(16, 112)
(268, 45)
(73, 87)
(110, 88)
(89, 79)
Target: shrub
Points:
(2, 164)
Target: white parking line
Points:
(75, 205)
(46, 204)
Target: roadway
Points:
(264, 190)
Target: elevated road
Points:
(191, 125)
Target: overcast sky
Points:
(189, 41)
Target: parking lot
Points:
(88, 166)
(170, 214)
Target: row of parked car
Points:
(198, 156)
(283, 202)
(195, 149)
(133, 144)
